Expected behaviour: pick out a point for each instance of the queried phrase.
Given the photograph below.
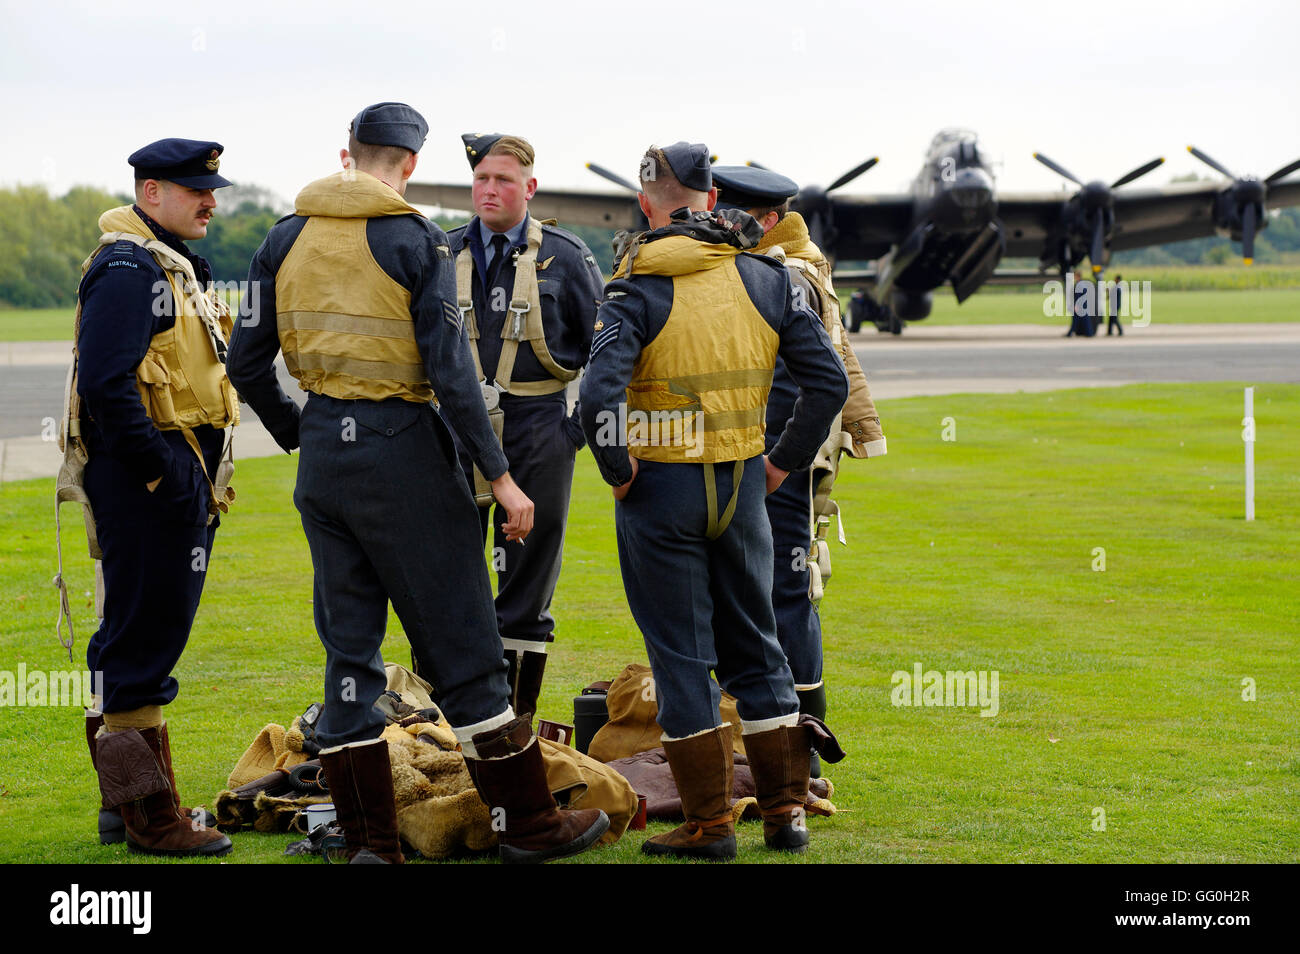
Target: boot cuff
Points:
(128, 769)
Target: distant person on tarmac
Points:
(1116, 302)
(1082, 310)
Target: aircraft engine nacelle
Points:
(911, 306)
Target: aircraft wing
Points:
(1028, 218)
(1180, 211)
(862, 278)
(607, 210)
(1143, 217)
(867, 226)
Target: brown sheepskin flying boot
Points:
(779, 760)
(510, 775)
(112, 830)
(703, 768)
(360, 779)
(134, 771)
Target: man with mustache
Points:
(156, 411)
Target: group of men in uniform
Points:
(436, 369)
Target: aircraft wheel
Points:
(895, 325)
(856, 308)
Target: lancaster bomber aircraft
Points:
(952, 227)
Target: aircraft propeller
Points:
(1243, 204)
(814, 204)
(1096, 201)
(613, 177)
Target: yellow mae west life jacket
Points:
(344, 325)
(698, 392)
(788, 242)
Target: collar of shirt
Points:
(201, 269)
(167, 238)
(514, 236)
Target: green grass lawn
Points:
(1120, 690)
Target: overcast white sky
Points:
(809, 87)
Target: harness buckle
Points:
(518, 309)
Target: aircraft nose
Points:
(973, 188)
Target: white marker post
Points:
(1248, 438)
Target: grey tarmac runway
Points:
(948, 359)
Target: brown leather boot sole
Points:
(709, 842)
(517, 855)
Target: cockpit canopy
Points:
(956, 147)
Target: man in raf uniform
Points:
(529, 293)
(801, 508)
(357, 289)
(156, 412)
(688, 335)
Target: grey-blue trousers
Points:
(703, 604)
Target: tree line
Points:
(44, 239)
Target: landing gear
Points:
(863, 308)
(857, 310)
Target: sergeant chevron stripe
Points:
(607, 334)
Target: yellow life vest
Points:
(699, 390)
(788, 242)
(182, 379)
(344, 325)
(524, 323)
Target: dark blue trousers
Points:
(798, 625)
(703, 604)
(388, 516)
(541, 454)
(156, 551)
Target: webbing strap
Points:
(465, 302)
(718, 525)
(220, 493)
(523, 321)
(180, 266)
(65, 608)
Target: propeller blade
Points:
(1209, 162)
(1137, 173)
(852, 174)
(1248, 233)
(1059, 170)
(611, 176)
(757, 165)
(1097, 254)
(1283, 172)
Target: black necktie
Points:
(498, 256)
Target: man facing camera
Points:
(529, 292)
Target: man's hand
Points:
(621, 490)
(518, 507)
(775, 476)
